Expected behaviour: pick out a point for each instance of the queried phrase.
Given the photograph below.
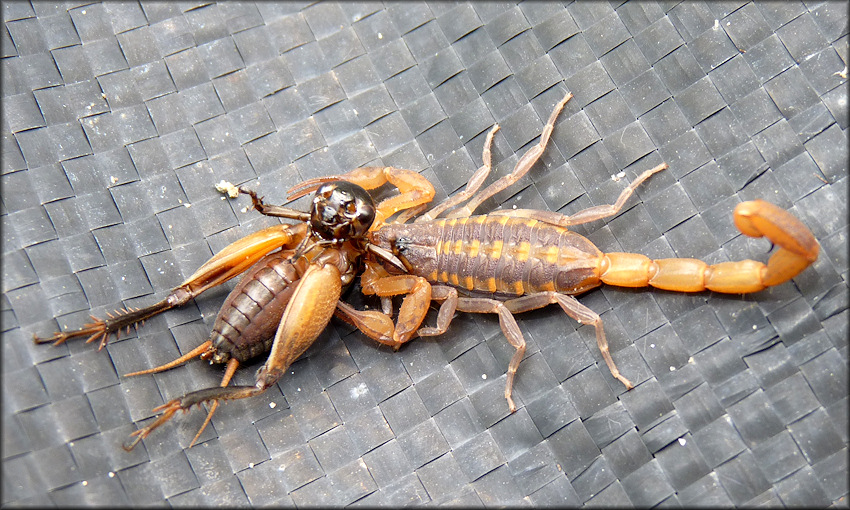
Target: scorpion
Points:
(505, 262)
(518, 260)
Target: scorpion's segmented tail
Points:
(798, 249)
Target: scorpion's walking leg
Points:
(510, 328)
(472, 185)
(508, 308)
(379, 326)
(579, 312)
(522, 167)
(585, 215)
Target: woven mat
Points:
(119, 118)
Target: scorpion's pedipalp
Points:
(414, 307)
(376, 325)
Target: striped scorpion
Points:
(517, 260)
(504, 263)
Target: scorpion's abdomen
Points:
(500, 254)
(246, 324)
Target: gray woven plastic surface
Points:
(119, 118)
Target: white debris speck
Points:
(359, 390)
(672, 369)
(682, 441)
(113, 179)
(272, 405)
(227, 188)
(84, 483)
(484, 376)
(716, 24)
